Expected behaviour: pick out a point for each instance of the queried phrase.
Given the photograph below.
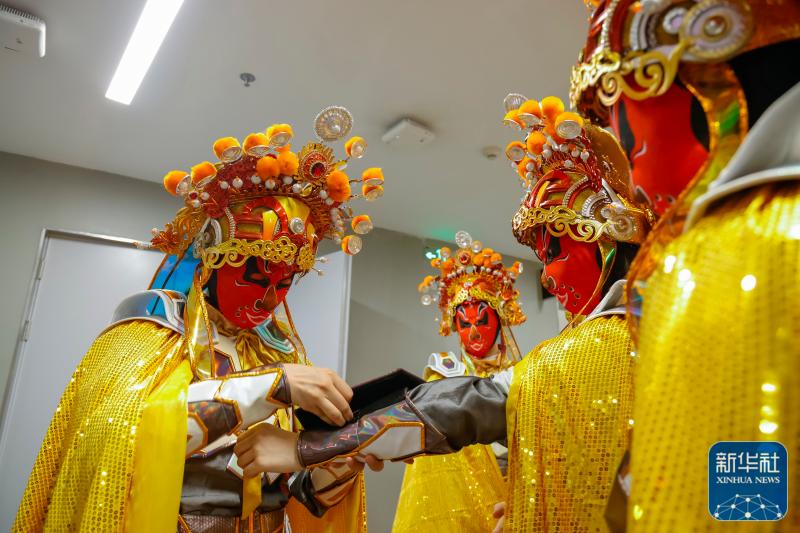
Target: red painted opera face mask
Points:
(571, 270)
(477, 325)
(666, 140)
(246, 295)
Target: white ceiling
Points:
(447, 64)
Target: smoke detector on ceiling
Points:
(21, 32)
(407, 132)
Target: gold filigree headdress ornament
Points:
(576, 179)
(639, 48)
(474, 273)
(261, 199)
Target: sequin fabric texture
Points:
(82, 475)
(450, 493)
(719, 358)
(571, 428)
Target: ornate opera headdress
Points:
(575, 175)
(637, 48)
(472, 273)
(264, 200)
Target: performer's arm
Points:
(221, 407)
(319, 489)
(438, 417)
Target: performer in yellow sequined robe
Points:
(458, 492)
(713, 143)
(142, 440)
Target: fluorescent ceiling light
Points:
(154, 23)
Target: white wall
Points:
(390, 328)
(35, 194)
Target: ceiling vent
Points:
(21, 33)
(407, 132)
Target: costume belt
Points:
(257, 522)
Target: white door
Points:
(81, 281)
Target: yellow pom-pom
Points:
(268, 167)
(361, 224)
(279, 135)
(372, 176)
(425, 283)
(355, 147)
(569, 125)
(173, 179)
(531, 107)
(552, 106)
(351, 244)
(279, 128)
(227, 149)
(523, 167)
(512, 119)
(203, 172)
(436, 263)
(535, 142)
(288, 162)
(255, 143)
(371, 192)
(496, 258)
(515, 151)
(338, 186)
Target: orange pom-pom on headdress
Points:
(371, 192)
(535, 142)
(227, 149)
(202, 172)
(288, 162)
(355, 147)
(338, 186)
(255, 143)
(173, 179)
(372, 176)
(552, 106)
(268, 167)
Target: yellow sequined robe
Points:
(451, 493)
(718, 337)
(569, 411)
(113, 456)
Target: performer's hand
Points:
(265, 448)
(374, 464)
(357, 462)
(499, 513)
(320, 391)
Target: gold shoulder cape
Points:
(120, 426)
(452, 493)
(568, 412)
(720, 358)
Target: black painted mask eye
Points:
(254, 273)
(547, 247)
(285, 283)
